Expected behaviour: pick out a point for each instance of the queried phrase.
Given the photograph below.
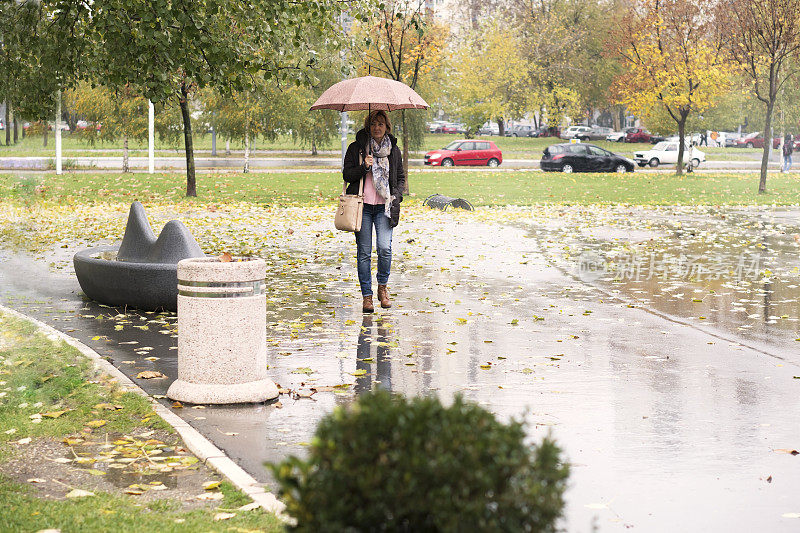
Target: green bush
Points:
(391, 464)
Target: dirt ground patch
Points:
(148, 465)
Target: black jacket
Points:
(354, 170)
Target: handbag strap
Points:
(360, 187)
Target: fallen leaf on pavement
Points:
(150, 374)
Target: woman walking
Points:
(375, 159)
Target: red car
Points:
(466, 152)
(638, 135)
(755, 140)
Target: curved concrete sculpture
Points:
(142, 271)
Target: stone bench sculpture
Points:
(142, 271)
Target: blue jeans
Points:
(787, 163)
(373, 216)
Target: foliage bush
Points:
(386, 463)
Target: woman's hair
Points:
(374, 115)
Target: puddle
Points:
(735, 270)
(124, 460)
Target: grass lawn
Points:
(49, 393)
(481, 188)
(512, 147)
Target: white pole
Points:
(151, 118)
(58, 132)
(343, 132)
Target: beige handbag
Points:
(350, 210)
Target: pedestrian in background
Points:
(375, 158)
(787, 153)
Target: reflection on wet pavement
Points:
(663, 416)
(737, 270)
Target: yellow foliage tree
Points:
(491, 77)
(674, 55)
(401, 41)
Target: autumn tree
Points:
(171, 49)
(401, 41)
(41, 52)
(765, 39)
(490, 78)
(673, 51)
(561, 45)
(111, 115)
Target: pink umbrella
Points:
(369, 92)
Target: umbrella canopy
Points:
(369, 92)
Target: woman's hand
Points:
(368, 161)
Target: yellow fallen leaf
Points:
(359, 372)
(79, 493)
(223, 516)
(96, 423)
(150, 374)
(211, 485)
(55, 414)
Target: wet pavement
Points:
(673, 393)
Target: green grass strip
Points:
(482, 188)
(38, 375)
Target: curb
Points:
(195, 442)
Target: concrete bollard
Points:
(222, 330)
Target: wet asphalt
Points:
(675, 414)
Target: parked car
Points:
(448, 127)
(580, 157)
(755, 140)
(655, 139)
(666, 152)
(618, 136)
(731, 138)
(490, 128)
(466, 152)
(596, 133)
(520, 131)
(576, 132)
(637, 135)
(547, 131)
(691, 138)
(435, 125)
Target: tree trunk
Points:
(16, 123)
(126, 166)
(44, 135)
(191, 183)
(762, 182)
(681, 143)
(405, 147)
(8, 124)
(314, 147)
(501, 127)
(246, 168)
(227, 147)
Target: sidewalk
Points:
(650, 410)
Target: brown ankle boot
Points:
(367, 306)
(383, 296)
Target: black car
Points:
(580, 157)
